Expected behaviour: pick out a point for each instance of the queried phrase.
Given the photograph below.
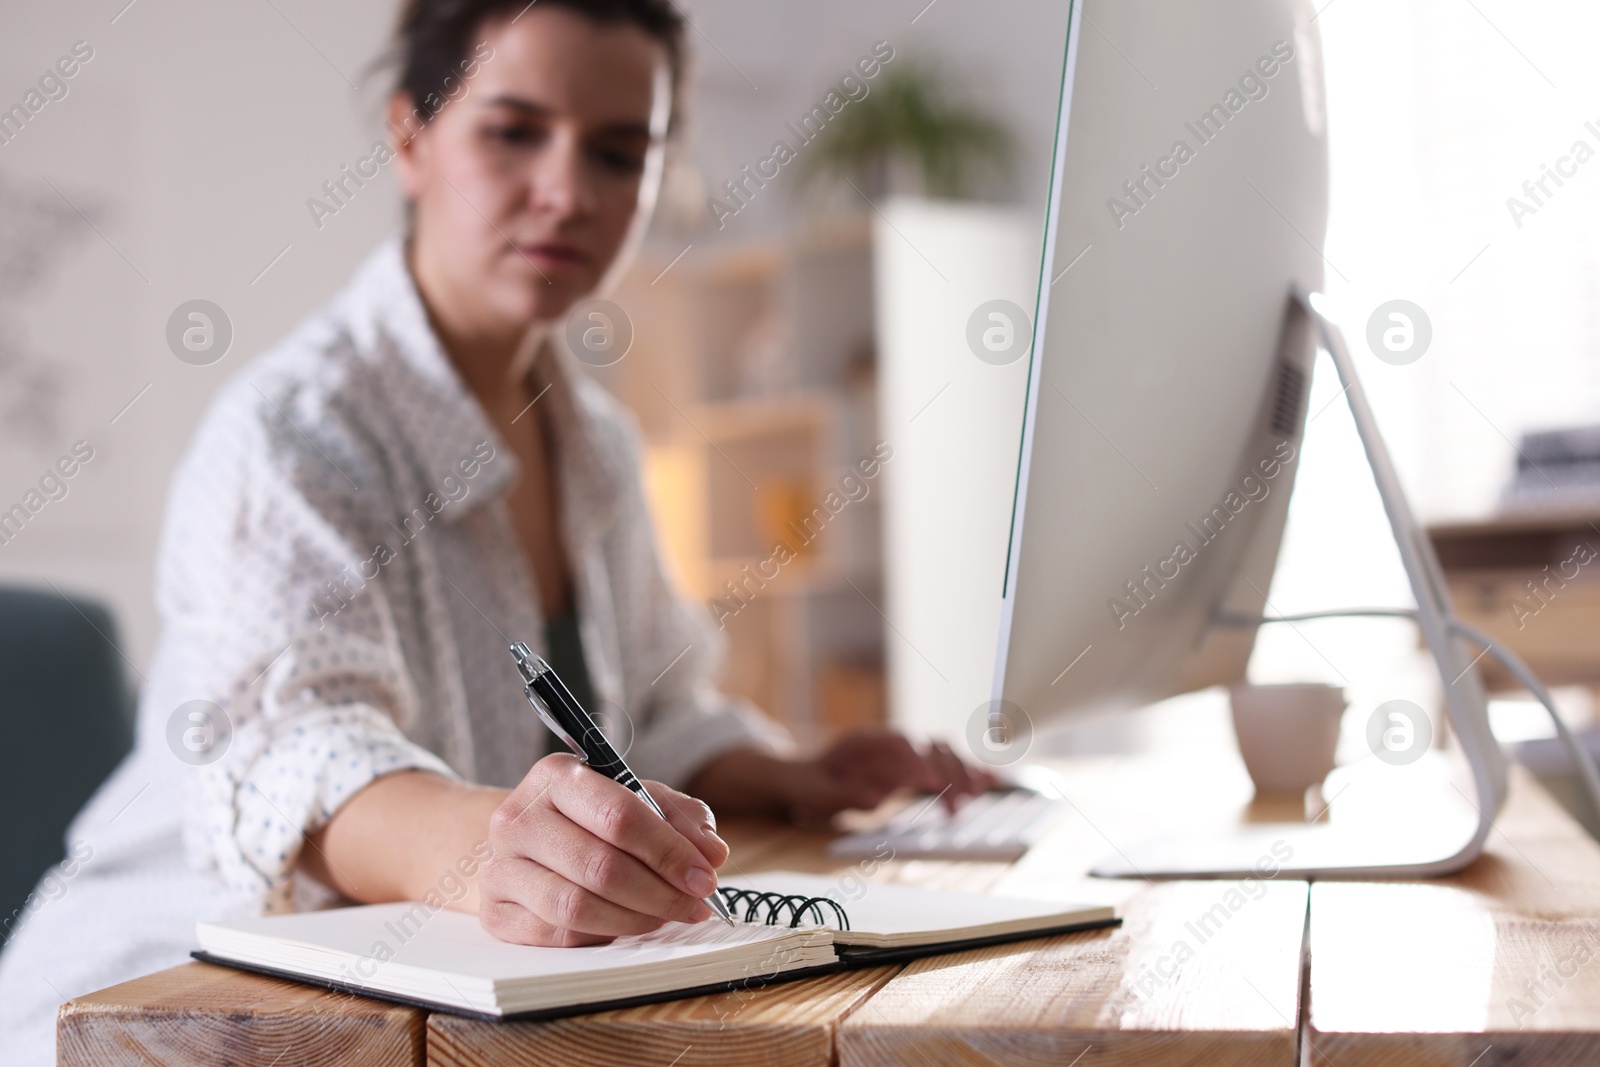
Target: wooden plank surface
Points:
(1116, 988)
(1200, 972)
(1176, 985)
(198, 1015)
(1493, 966)
(786, 1025)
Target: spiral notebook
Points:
(791, 925)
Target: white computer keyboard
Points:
(997, 825)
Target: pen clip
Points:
(555, 727)
(531, 666)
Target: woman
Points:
(372, 511)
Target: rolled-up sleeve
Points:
(269, 591)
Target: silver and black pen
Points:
(566, 718)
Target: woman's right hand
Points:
(578, 859)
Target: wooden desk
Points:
(1435, 972)
(200, 1014)
(1200, 972)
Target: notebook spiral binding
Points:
(770, 908)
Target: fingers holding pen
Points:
(693, 819)
(578, 859)
(616, 816)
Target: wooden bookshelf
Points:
(752, 374)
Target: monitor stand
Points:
(1396, 848)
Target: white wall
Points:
(192, 140)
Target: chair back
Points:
(66, 720)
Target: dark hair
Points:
(434, 38)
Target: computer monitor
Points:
(1167, 393)
(1166, 396)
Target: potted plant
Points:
(913, 133)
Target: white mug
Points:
(1287, 733)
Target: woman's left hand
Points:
(859, 770)
(862, 768)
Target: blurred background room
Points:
(795, 313)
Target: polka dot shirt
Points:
(338, 573)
